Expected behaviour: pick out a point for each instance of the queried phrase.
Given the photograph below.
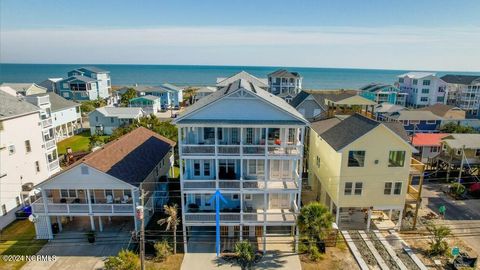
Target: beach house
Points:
(149, 104)
(428, 146)
(360, 168)
(106, 119)
(248, 144)
(171, 96)
(447, 112)
(423, 88)
(284, 84)
(101, 191)
(203, 92)
(415, 121)
(383, 93)
(28, 153)
(464, 92)
(85, 83)
(25, 88)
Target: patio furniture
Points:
(63, 200)
(76, 200)
(109, 199)
(117, 199)
(125, 199)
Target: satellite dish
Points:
(32, 218)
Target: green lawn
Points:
(18, 238)
(78, 142)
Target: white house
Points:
(248, 144)
(203, 92)
(103, 189)
(423, 88)
(242, 75)
(285, 84)
(105, 119)
(464, 92)
(26, 157)
(26, 88)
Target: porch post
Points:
(400, 216)
(49, 222)
(89, 202)
(337, 216)
(369, 218)
(100, 225)
(92, 223)
(59, 222)
(134, 211)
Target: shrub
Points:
(314, 253)
(438, 245)
(457, 189)
(162, 250)
(125, 260)
(245, 254)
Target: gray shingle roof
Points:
(11, 106)
(222, 82)
(24, 87)
(299, 98)
(94, 69)
(460, 79)
(457, 141)
(80, 78)
(414, 115)
(170, 86)
(58, 103)
(439, 109)
(340, 133)
(284, 73)
(120, 112)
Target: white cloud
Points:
(381, 47)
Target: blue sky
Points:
(430, 35)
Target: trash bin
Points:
(55, 228)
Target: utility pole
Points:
(461, 165)
(140, 216)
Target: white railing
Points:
(198, 149)
(254, 150)
(76, 208)
(229, 150)
(247, 150)
(47, 122)
(259, 183)
(282, 216)
(53, 165)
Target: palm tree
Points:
(172, 220)
(245, 254)
(314, 222)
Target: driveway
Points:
(72, 253)
(462, 216)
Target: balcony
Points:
(50, 144)
(53, 165)
(202, 150)
(81, 208)
(47, 123)
(236, 150)
(270, 216)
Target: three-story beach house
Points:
(285, 84)
(423, 88)
(27, 154)
(85, 83)
(248, 144)
(102, 190)
(464, 92)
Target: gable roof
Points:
(457, 141)
(248, 86)
(439, 109)
(26, 88)
(428, 139)
(378, 87)
(172, 87)
(223, 82)
(284, 73)
(206, 89)
(148, 97)
(120, 112)
(416, 75)
(130, 158)
(414, 115)
(11, 106)
(299, 98)
(460, 79)
(93, 69)
(340, 133)
(78, 77)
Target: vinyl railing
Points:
(75, 208)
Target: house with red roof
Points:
(428, 145)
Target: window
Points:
(318, 162)
(414, 122)
(37, 166)
(415, 81)
(401, 80)
(4, 210)
(208, 133)
(387, 190)
(127, 192)
(358, 188)
(398, 188)
(235, 197)
(247, 197)
(220, 134)
(348, 188)
(426, 82)
(440, 99)
(477, 153)
(65, 85)
(249, 139)
(17, 200)
(356, 158)
(459, 152)
(424, 99)
(65, 94)
(68, 193)
(112, 119)
(425, 91)
(28, 147)
(434, 149)
(96, 118)
(396, 159)
(252, 166)
(11, 149)
(431, 122)
(196, 168)
(235, 135)
(206, 168)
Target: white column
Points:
(59, 222)
(399, 224)
(337, 217)
(369, 218)
(89, 202)
(92, 223)
(49, 222)
(100, 225)
(184, 227)
(241, 232)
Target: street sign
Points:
(455, 251)
(217, 196)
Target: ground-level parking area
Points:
(72, 249)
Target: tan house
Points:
(103, 188)
(460, 152)
(444, 111)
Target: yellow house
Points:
(360, 169)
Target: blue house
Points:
(381, 93)
(86, 83)
(416, 121)
(170, 95)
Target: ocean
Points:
(183, 75)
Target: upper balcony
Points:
(46, 122)
(205, 141)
